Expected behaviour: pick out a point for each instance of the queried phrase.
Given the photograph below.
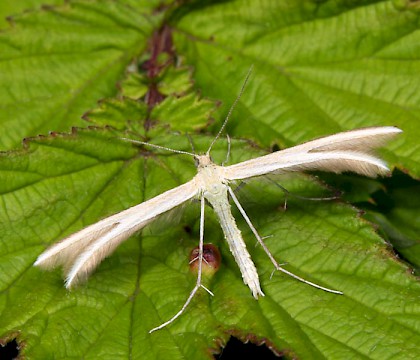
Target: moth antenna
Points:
(158, 147)
(231, 109)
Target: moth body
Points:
(214, 187)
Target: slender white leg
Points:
(199, 272)
(275, 263)
(288, 193)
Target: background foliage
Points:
(77, 75)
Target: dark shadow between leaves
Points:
(236, 349)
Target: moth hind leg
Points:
(198, 283)
(267, 251)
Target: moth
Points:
(352, 151)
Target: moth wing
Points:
(81, 252)
(347, 151)
(364, 139)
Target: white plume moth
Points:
(81, 252)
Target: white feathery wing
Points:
(81, 252)
(346, 151)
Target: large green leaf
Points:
(57, 62)
(320, 67)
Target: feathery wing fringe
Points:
(360, 140)
(347, 151)
(81, 252)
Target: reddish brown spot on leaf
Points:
(211, 259)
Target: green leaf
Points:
(319, 68)
(172, 81)
(185, 112)
(57, 62)
(118, 113)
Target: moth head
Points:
(202, 161)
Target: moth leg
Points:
(296, 196)
(271, 257)
(198, 284)
(196, 258)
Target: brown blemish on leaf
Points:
(187, 229)
(211, 259)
